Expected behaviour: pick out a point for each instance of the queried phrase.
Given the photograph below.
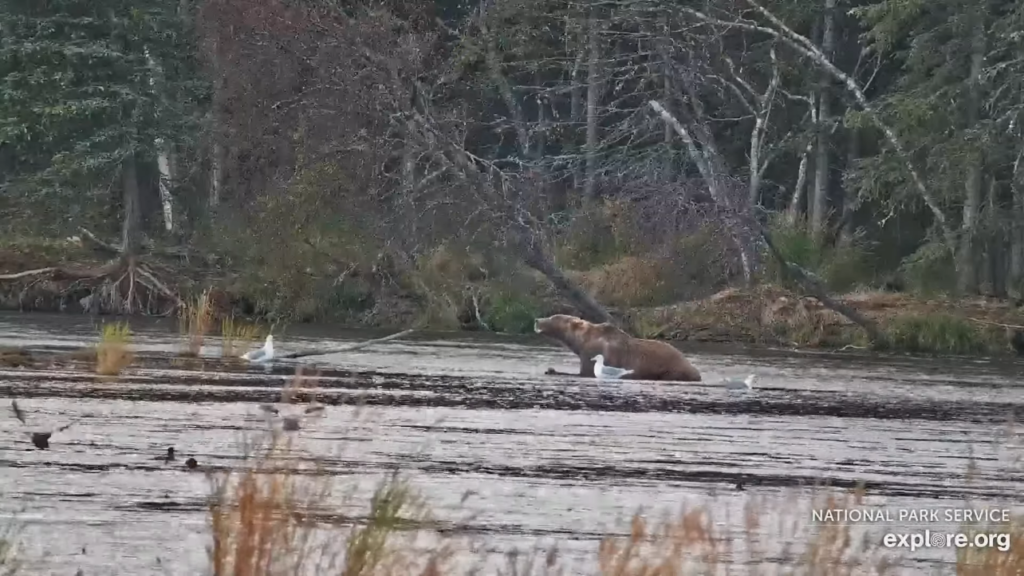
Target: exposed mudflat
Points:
(549, 459)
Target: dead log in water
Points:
(348, 348)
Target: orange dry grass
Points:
(692, 543)
(256, 517)
(272, 520)
(194, 321)
(112, 353)
(991, 561)
(664, 552)
(629, 281)
(303, 384)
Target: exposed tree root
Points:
(124, 285)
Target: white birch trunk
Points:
(163, 158)
(593, 99)
(216, 170)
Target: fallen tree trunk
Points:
(814, 288)
(349, 348)
(589, 308)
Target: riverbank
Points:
(68, 277)
(773, 315)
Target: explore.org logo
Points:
(929, 539)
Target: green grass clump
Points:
(113, 353)
(511, 313)
(936, 334)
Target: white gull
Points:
(738, 384)
(604, 372)
(264, 354)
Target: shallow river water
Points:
(548, 460)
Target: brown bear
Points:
(648, 359)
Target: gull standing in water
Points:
(738, 384)
(605, 372)
(264, 354)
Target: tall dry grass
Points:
(113, 353)
(195, 319)
(990, 561)
(699, 542)
(768, 540)
(238, 337)
(256, 516)
(10, 560)
(282, 514)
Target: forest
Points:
(456, 164)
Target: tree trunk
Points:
(994, 284)
(216, 173)
(1016, 279)
(163, 152)
(576, 104)
(669, 171)
(846, 228)
(800, 202)
(712, 169)
(131, 224)
(537, 258)
(967, 281)
(541, 147)
(593, 100)
(793, 211)
(163, 163)
(819, 199)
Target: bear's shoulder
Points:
(607, 330)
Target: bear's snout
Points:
(536, 326)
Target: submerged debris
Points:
(18, 412)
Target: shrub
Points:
(113, 354)
(842, 267)
(511, 312)
(937, 333)
(195, 318)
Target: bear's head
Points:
(559, 325)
